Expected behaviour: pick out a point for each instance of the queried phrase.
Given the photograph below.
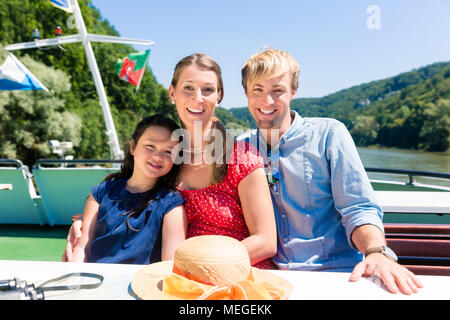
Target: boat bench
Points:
(19, 202)
(64, 189)
(422, 248)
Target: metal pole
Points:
(111, 133)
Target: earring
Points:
(173, 102)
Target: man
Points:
(326, 212)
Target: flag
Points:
(132, 67)
(15, 76)
(65, 5)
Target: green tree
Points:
(435, 132)
(365, 130)
(28, 119)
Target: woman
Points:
(227, 195)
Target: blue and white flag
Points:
(65, 5)
(15, 76)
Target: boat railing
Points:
(19, 202)
(15, 162)
(44, 162)
(412, 174)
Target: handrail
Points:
(410, 173)
(15, 162)
(39, 162)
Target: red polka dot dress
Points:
(216, 209)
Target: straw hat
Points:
(213, 260)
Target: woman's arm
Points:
(174, 231)
(88, 231)
(72, 237)
(259, 216)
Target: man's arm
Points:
(367, 236)
(361, 214)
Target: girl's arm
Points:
(174, 231)
(87, 232)
(259, 216)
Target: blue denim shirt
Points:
(320, 192)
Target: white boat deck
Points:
(307, 285)
(414, 201)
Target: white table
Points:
(414, 201)
(307, 285)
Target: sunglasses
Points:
(272, 177)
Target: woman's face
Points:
(196, 96)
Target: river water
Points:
(391, 158)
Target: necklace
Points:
(194, 151)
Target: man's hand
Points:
(394, 276)
(72, 238)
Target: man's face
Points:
(269, 102)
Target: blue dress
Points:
(114, 241)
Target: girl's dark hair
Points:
(166, 182)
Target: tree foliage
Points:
(28, 120)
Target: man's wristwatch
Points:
(383, 250)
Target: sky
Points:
(338, 44)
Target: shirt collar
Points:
(119, 192)
(296, 124)
(293, 129)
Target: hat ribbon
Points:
(181, 285)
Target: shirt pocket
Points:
(307, 250)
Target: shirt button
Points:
(285, 239)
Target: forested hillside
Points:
(71, 111)
(410, 110)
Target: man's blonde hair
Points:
(268, 64)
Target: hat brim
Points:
(147, 282)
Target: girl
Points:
(123, 216)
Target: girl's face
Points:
(152, 153)
(196, 96)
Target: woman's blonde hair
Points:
(269, 63)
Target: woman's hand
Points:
(72, 238)
(174, 231)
